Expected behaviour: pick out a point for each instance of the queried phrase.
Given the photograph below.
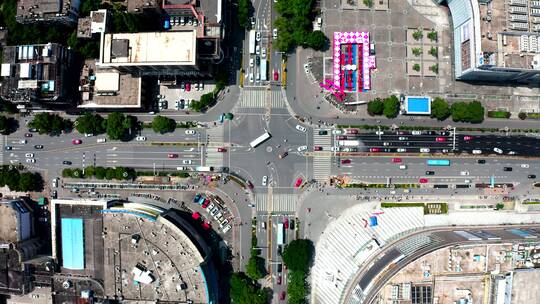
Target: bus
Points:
(252, 42)
(259, 140)
(264, 73)
(280, 238)
(438, 162)
(349, 143)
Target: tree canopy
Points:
(298, 255)
(90, 124)
(375, 107)
(468, 112)
(52, 124)
(391, 107)
(440, 109)
(297, 288)
(7, 125)
(244, 291)
(255, 266)
(119, 126)
(162, 124)
(16, 181)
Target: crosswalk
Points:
(261, 98)
(279, 203)
(215, 140)
(322, 162)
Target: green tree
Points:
(29, 181)
(417, 35)
(51, 124)
(434, 68)
(391, 107)
(255, 266)
(434, 51)
(522, 115)
(440, 109)
(90, 124)
(375, 107)
(90, 171)
(432, 35)
(100, 172)
(162, 124)
(298, 255)
(110, 173)
(416, 67)
(118, 125)
(244, 291)
(417, 51)
(4, 125)
(459, 111)
(476, 112)
(297, 288)
(317, 40)
(368, 3)
(244, 7)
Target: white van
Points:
(476, 151)
(403, 167)
(101, 140)
(464, 173)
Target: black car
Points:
(66, 162)
(481, 161)
(291, 224)
(279, 267)
(507, 168)
(430, 172)
(279, 250)
(258, 60)
(54, 194)
(531, 176)
(32, 130)
(323, 132)
(8, 148)
(431, 132)
(283, 155)
(38, 146)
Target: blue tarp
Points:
(373, 221)
(72, 243)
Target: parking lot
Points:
(179, 96)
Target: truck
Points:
(280, 238)
(252, 42)
(349, 143)
(204, 169)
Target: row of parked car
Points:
(214, 210)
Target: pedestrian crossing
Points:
(322, 162)
(279, 203)
(214, 140)
(261, 98)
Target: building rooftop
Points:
(72, 243)
(155, 48)
(84, 27)
(16, 221)
(46, 10)
(141, 5)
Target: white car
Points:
(401, 150)
(190, 132)
(302, 148)
(263, 52)
(30, 160)
(512, 153)
(258, 36)
(88, 135)
(416, 132)
(223, 223)
(464, 173)
(274, 33)
(334, 149)
(379, 133)
(301, 128)
(210, 207)
(476, 151)
(403, 138)
(186, 162)
(424, 150)
(22, 141)
(55, 182)
(445, 150)
(524, 166)
(251, 77)
(499, 151)
(29, 155)
(265, 180)
(251, 62)
(140, 138)
(101, 140)
(386, 143)
(258, 50)
(226, 228)
(181, 168)
(337, 132)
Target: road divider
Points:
(174, 143)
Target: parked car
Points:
(282, 296)
(274, 33)
(278, 280)
(345, 161)
(140, 138)
(276, 75)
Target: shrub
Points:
(434, 52)
(522, 115)
(432, 35)
(375, 107)
(417, 35)
(416, 67)
(417, 51)
(434, 68)
(499, 114)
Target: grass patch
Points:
(398, 205)
(532, 203)
(499, 114)
(533, 115)
(182, 174)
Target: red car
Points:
(396, 160)
(423, 180)
(298, 182)
(250, 185)
(196, 215)
(317, 148)
(440, 139)
(282, 295)
(374, 150)
(276, 75)
(351, 131)
(286, 223)
(172, 155)
(76, 141)
(221, 150)
(279, 280)
(206, 225)
(467, 137)
(188, 86)
(27, 134)
(205, 203)
(345, 161)
(341, 137)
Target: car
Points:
(252, 20)
(531, 176)
(278, 280)
(76, 141)
(222, 150)
(258, 50)
(186, 162)
(507, 168)
(264, 181)
(301, 128)
(197, 197)
(482, 161)
(251, 77)
(445, 150)
(38, 147)
(205, 203)
(430, 172)
(476, 151)
(276, 75)
(188, 86)
(181, 168)
(317, 148)
(206, 225)
(286, 223)
(386, 144)
(29, 155)
(22, 141)
(32, 130)
(498, 151)
(88, 134)
(423, 180)
(431, 132)
(182, 86)
(302, 148)
(403, 138)
(350, 149)
(524, 166)
(172, 155)
(444, 133)
(226, 228)
(396, 160)
(402, 167)
(334, 149)
(467, 138)
(274, 33)
(140, 138)
(401, 150)
(424, 150)
(210, 207)
(54, 194)
(345, 161)
(374, 150)
(67, 162)
(283, 154)
(337, 132)
(28, 134)
(190, 21)
(250, 185)
(402, 132)
(341, 137)
(101, 140)
(258, 36)
(279, 267)
(8, 148)
(223, 223)
(282, 296)
(298, 182)
(440, 139)
(512, 153)
(189, 132)
(201, 85)
(351, 131)
(416, 132)
(251, 62)
(464, 173)
(30, 160)
(379, 133)
(263, 52)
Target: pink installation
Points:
(368, 61)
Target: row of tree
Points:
(388, 107)
(116, 125)
(7, 125)
(294, 26)
(20, 181)
(298, 257)
(118, 173)
(472, 112)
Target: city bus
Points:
(259, 140)
(264, 72)
(252, 42)
(280, 237)
(438, 162)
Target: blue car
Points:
(221, 118)
(196, 198)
